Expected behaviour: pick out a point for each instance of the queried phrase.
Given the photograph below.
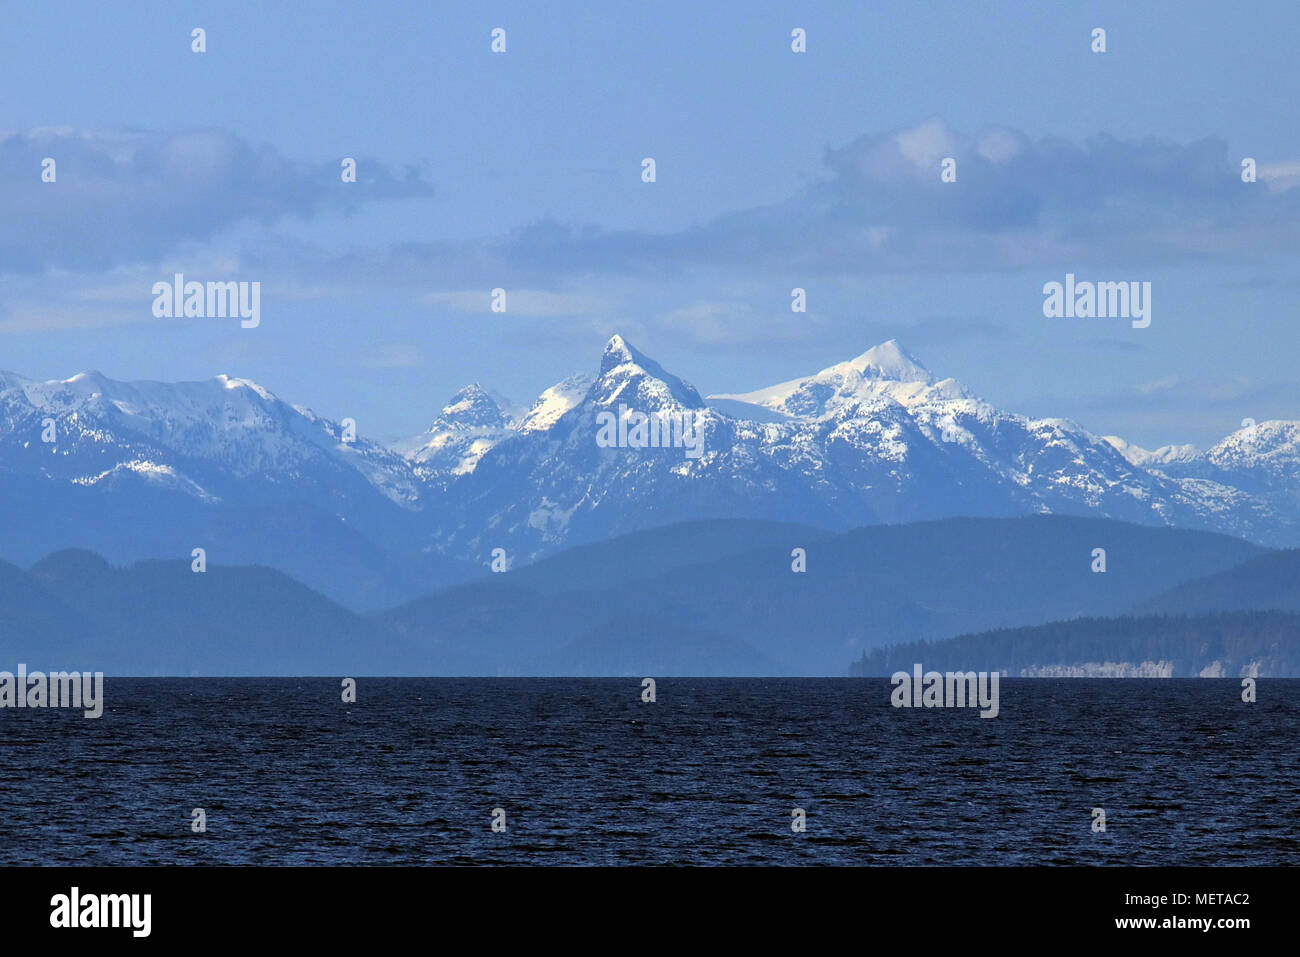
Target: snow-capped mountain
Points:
(137, 470)
(883, 371)
(877, 438)
(554, 402)
(1268, 452)
(1261, 460)
(1152, 458)
(475, 420)
(550, 486)
(220, 440)
(1050, 465)
(470, 424)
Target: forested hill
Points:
(1254, 643)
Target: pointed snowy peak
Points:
(468, 426)
(889, 361)
(620, 352)
(617, 351)
(629, 376)
(477, 407)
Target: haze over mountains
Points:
(705, 598)
(913, 498)
(151, 470)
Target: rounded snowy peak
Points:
(1271, 445)
(886, 372)
(234, 382)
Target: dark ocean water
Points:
(587, 774)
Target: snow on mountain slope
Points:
(470, 424)
(627, 375)
(886, 370)
(475, 420)
(875, 439)
(554, 402)
(1013, 462)
(551, 487)
(205, 437)
(1261, 461)
(1271, 448)
(1165, 455)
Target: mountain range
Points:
(716, 597)
(148, 470)
(918, 512)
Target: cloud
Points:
(522, 302)
(1280, 176)
(127, 203)
(130, 197)
(57, 318)
(939, 330)
(877, 207)
(1156, 413)
(1163, 384)
(393, 356)
(880, 207)
(735, 324)
(1175, 393)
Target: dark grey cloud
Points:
(876, 207)
(132, 197)
(879, 206)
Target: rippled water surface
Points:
(708, 774)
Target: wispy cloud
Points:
(523, 302)
(392, 356)
(1163, 384)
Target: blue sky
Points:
(775, 170)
